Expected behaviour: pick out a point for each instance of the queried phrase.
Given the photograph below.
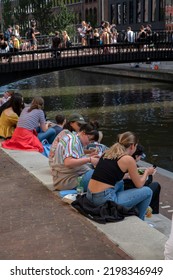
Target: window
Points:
(124, 13)
(138, 11)
(113, 14)
(153, 13)
(161, 10)
(146, 11)
(119, 14)
(131, 8)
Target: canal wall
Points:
(163, 72)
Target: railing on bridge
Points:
(154, 48)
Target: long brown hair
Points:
(37, 103)
(124, 140)
(15, 101)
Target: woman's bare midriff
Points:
(96, 186)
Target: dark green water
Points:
(119, 104)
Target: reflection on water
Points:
(119, 104)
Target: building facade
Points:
(123, 13)
(134, 13)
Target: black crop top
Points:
(107, 171)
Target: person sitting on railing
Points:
(56, 43)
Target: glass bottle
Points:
(80, 187)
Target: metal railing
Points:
(159, 47)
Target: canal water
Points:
(118, 103)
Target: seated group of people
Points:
(103, 172)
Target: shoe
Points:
(69, 198)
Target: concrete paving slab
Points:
(136, 238)
(35, 163)
(161, 223)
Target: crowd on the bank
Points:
(110, 176)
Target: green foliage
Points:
(7, 13)
(42, 14)
(41, 11)
(64, 20)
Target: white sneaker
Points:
(69, 198)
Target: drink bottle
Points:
(80, 187)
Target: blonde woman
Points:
(16, 31)
(111, 169)
(66, 39)
(82, 32)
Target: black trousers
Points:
(154, 186)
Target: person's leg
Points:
(140, 198)
(48, 134)
(137, 197)
(155, 187)
(119, 186)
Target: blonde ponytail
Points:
(124, 140)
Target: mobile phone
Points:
(154, 166)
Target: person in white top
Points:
(130, 35)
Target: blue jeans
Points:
(48, 134)
(139, 197)
(85, 179)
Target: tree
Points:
(7, 13)
(41, 11)
(21, 14)
(64, 19)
